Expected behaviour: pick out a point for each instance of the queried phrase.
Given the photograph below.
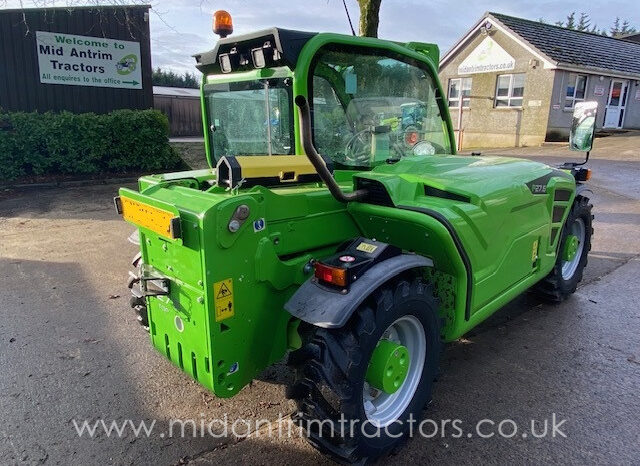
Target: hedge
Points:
(123, 141)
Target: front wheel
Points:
(575, 244)
(360, 389)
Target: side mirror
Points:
(583, 126)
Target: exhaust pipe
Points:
(316, 159)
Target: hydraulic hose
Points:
(315, 158)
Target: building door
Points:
(614, 112)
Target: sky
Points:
(180, 28)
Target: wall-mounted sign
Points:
(535, 103)
(598, 91)
(638, 94)
(88, 61)
(487, 57)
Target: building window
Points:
(456, 87)
(576, 89)
(509, 90)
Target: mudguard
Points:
(325, 308)
(582, 190)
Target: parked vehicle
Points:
(356, 256)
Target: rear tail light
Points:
(332, 275)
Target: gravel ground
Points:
(70, 348)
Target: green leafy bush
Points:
(123, 141)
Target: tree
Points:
(161, 77)
(369, 17)
(626, 28)
(571, 23)
(615, 29)
(584, 22)
(619, 27)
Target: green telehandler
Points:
(338, 227)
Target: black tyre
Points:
(575, 238)
(137, 300)
(332, 374)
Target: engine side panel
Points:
(506, 213)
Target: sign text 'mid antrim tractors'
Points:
(88, 61)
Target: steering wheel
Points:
(357, 151)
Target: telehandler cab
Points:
(337, 225)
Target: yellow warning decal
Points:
(534, 252)
(366, 247)
(223, 298)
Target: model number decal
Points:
(539, 188)
(539, 185)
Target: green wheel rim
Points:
(575, 239)
(406, 337)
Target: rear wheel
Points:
(575, 244)
(359, 388)
(137, 300)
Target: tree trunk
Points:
(369, 17)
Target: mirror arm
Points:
(585, 160)
(571, 165)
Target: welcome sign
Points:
(487, 57)
(88, 61)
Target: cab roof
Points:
(287, 42)
(281, 47)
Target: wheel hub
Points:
(388, 367)
(570, 247)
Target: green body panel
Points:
(505, 229)
(266, 267)
(499, 236)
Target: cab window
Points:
(373, 108)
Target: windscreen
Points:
(370, 108)
(250, 117)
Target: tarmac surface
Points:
(71, 350)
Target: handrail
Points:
(316, 159)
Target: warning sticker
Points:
(223, 298)
(366, 247)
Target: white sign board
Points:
(487, 57)
(88, 61)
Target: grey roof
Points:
(635, 37)
(176, 91)
(575, 48)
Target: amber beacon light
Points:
(222, 23)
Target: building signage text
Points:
(88, 61)
(487, 57)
